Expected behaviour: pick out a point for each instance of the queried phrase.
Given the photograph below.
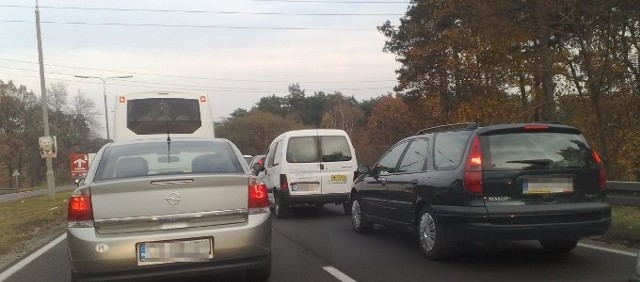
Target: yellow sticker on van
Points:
(339, 178)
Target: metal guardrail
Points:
(622, 193)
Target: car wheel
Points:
(74, 277)
(281, 210)
(358, 218)
(347, 208)
(559, 245)
(259, 274)
(430, 235)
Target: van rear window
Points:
(542, 150)
(162, 115)
(302, 150)
(335, 149)
(305, 149)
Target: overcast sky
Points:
(236, 51)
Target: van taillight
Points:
(80, 213)
(258, 197)
(603, 173)
(473, 179)
(284, 184)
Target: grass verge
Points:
(30, 220)
(625, 226)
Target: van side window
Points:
(415, 157)
(335, 149)
(269, 158)
(390, 159)
(277, 155)
(302, 150)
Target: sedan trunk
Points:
(165, 203)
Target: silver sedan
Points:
(158, 208)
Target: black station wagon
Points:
(462, 182)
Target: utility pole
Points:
(45, 110)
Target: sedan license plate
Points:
(339, 178)
(547, 185)
(198, 250)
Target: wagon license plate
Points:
(339, 178)
(197, 250)
(545, 185)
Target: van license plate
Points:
(198, 250)
(546, 185)
(305, 186)
(338, 178)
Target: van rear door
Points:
(338, 163)
(303, 168)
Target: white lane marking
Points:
(16, 267)
(631, 254)
(338, 274)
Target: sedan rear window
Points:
(542, 150)
(161, 158)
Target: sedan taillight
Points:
(258, 197)
(80, 212)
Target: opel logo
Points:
(172, 198)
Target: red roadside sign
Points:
(79, 164)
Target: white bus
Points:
(153, 114)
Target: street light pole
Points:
(45, 113)
(104, 95)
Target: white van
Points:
(155, 114)
(309, 167)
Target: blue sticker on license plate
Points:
(143, 253)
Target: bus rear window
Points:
(162, 115)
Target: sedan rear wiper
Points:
(540, 162)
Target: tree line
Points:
(570, 61)
(71, 120)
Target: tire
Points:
(281, 210)
(430, 235)
(559, 245)
(259, 274)
(74, 277)
(358, 218)
(346, 206)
